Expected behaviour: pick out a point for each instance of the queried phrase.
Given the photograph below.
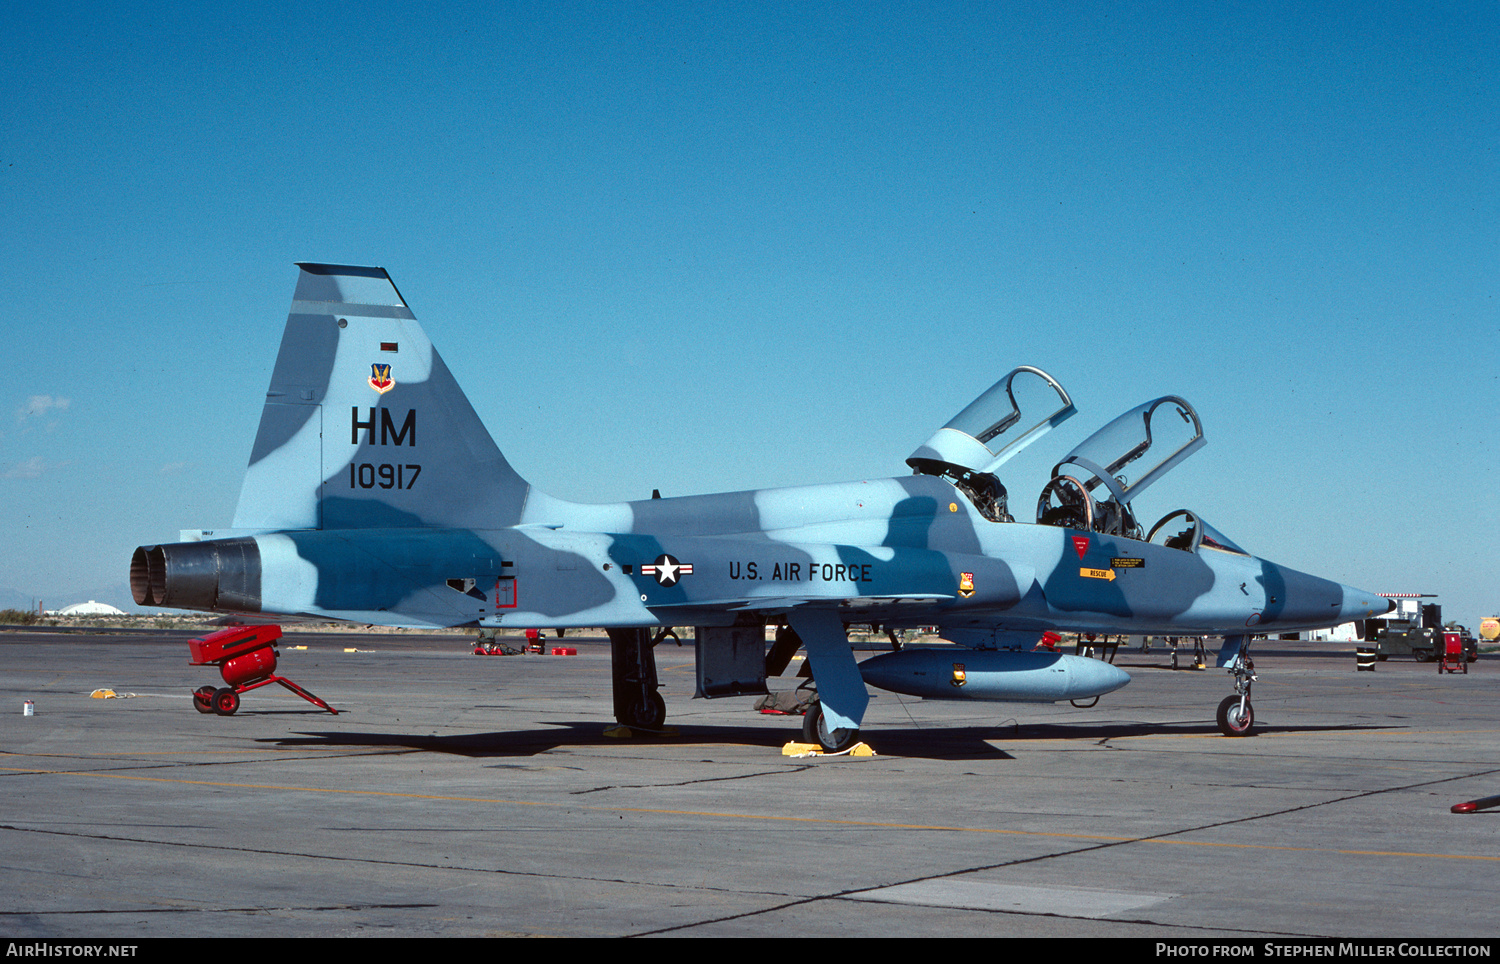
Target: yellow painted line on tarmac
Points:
(1389, 732)
(1089, 743)
(776, 818)
(1320, 850)
(125, 758)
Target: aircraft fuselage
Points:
(898, 552)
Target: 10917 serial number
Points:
(364, 475)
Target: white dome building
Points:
(90, 608)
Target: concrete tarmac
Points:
(458, 795)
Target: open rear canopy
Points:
(1016, 411)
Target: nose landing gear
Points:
(1236, 717)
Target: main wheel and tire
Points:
(1231, 721)
(203, 699)
(815, 730)
(647, 712)
(226, 701)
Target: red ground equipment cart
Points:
(1451, 655)
(246, 657)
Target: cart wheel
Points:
(203, 699)
(226, 701)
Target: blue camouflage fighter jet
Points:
(374, 494)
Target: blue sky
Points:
(700, 247)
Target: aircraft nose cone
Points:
(1298, 600)
(1359, 604)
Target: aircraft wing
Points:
(783, 603)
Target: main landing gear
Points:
(836, 675)
(815, 730)
(1236, 717)
(638, 705)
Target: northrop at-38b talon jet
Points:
(374, 494)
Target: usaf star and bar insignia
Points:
(667, 570)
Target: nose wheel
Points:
(1236, 716)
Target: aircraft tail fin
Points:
(364, 426)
